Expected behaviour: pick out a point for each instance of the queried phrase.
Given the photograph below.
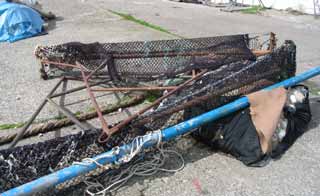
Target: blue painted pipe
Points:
(115, 155)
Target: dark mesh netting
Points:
(234, 80)
(23, 164)
(146, 60)
(228, 77)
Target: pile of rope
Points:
(144, 164)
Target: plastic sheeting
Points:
(18, 22)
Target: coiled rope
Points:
(145, 164)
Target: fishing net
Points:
(231, 80)
(22, 164)
(145, 60)
(233, 71)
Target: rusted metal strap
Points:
(143, 88)
(60, 64)
(93, 99)
(261, 52)
(160, 54)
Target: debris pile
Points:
(214, 70)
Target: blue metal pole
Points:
(114, 155)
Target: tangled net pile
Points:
(232, 71)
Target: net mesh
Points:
(225, 81)
(22, 164)
(233, 79)
(146, 60)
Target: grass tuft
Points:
(21, 124)
(253, 10)
(151, 96)
(142, 22)
(12, 126)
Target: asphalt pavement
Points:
(297, 173)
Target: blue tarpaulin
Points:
(18, 22)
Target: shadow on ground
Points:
(52, 24)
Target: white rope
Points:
(138, 143)
(87, 161)
(141, 168)
(138, 168)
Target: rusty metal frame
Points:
(86, 75)
(107, 132)
(87, 79)
(106, 135)
(48, 99)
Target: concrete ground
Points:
(206, 173)
(195, 20)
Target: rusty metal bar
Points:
(261, 52)
(69, 114)
(61, 64)
(75, 89)
(144, 88)
(273, 41)
(104, 137)
(167, 54)
(158, 54)
(94, 101)
(34, 116)
(61, 103)
(193, 73)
